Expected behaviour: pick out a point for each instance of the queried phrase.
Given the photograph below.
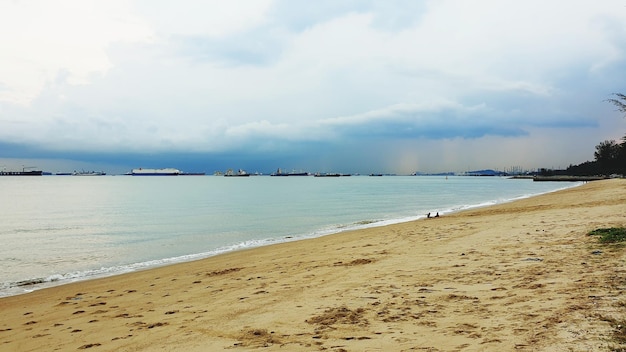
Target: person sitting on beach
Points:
(428, 215)
(437, 215)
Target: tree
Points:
(607, 155)
(620, 102)
(587, 168)
(621, 157)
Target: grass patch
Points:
(610, 235)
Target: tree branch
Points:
(620, 102)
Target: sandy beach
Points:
(520, 276)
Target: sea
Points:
(60, 229)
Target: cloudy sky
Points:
(327, 85)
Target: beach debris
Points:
(89, 345)
(340, 315)
(360, 261)
(223, 272)
(597, 252)
(257, 338)
(30, 282)
(533, 259)
(75, 297)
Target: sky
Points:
(389, 86)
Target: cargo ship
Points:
(22, 173)
(88, 173)
(280, 172)
(240, 173)
(155, 172)
(330, 175)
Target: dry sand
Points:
(521, 276)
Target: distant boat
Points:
(88, 173)
(330, 175)
(155, 172)
(376, 174)
(240, 173)
(192, 174)
(280, 172)
(22, 173)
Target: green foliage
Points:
(610, 235)
(619, 102)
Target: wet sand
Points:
(521, 276)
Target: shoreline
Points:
(519, 275)
(28, 285)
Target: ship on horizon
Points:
(280, 172)
(24, 172)
(239, 173)
(88, 173)
(155, 172)
(330, 174)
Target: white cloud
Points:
(43, 41)
(212, 18)
(208, 75)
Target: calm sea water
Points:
(57, 229)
